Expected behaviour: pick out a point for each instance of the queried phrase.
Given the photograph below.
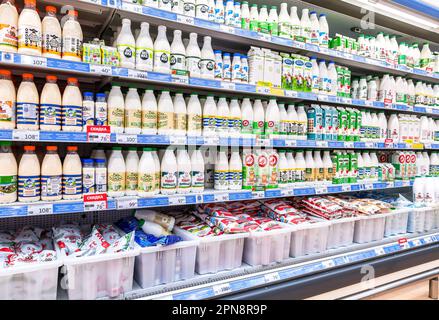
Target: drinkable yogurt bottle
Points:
(133, 112)
(116, 173)
(126, 45)
(72, 175)
(29, 172)
(7, 100)
(147, 174)
(149, 113)
(162, 52)
(9, 19)
(197, 172)
(169, 169)
(72, 38)
(116, 110)
(52, 34)
(51, 175)
(50, 105)
(132, 171)
(8, 173)
(144, 49)
(71, 111)
(28, 102)
(29, 30)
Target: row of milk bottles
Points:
(27, 34)
(426, 191)
(324, 77)
(27, 110)
(143, 54)
(427, 165)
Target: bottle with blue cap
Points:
(227, 67)
(323, 31)
(218, 71)
(100, 175)
(229, 15)
(236, 68)
(237, 15)
(88, 176)
(219, 11)
(101, 110)
(315, 28)
(315, 75)
(88, 110)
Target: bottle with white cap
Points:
(245, 16)
(193, 56)
(178, 54)
(207, 62)
(133, 112)
(273, 21)
(165, 115)
(219, 11)
(323, 31)
(227, 67)
(146, 174)
(272, 118)
(180, 114)
(247, 117)
(209, 117)
(315, 28)
(284, 21)
(184, 180)
(263, 20)
(258, 118)
(168, 169)
(149, 113)
(132, 171)
(295, 23)
(126, 45)
(197, 171)
(162, 52)
(194, 125)
(235, 171)
(254, 18)
(305, 26)
(116, 173)
(235, 119)
(221, 171)
(144, 49)
(223, 117)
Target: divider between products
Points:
(124, 203)
(272, 42)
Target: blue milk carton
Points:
(315, 122)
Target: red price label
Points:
(99, 134)
(95, 202)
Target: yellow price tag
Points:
(277, 92)
(417, 146)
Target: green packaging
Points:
(347, 82)
(353, 167)
(287, 71)
(91, 53)
(359, 119)
(340, 81)
(110, 56)
(351, 124)
(298, 67)
(342, 124)
(307, 76)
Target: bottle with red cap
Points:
(72, 38)
(51, 34)
(51, 175)
(9, 26)
(28, 102)
(29, 30)
(71, 110)
(7, 100)
(50, 107)
(72, 175)
(29, 171)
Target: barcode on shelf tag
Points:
(417, 242)
(323, 97)
(299, 44)
(34, 61)
(262, 142)
(271, 277)
(26, 135)
(258, 194)
(126, 204)
(101, 69)
(39, 209)
(227, 29)
(428, 239)
(380, 251)
(263, 90)
(368, 186)
(131, 7)
(176, 78)
(222, 288)
(219, 197)
(328, 263)
(95, 202)
(185, 19)
(126, 138)
(348, 144)
(211, 140)
(175, 201)
(321, 143)
(291, 94)
(99, 134)
(177, 140)
(346, 187)
(264, 37)
(227, 85)
(368, 103)
(137, 74)
(290, 143)
(369, 144)
(320, 190)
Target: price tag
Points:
(403, 243)
(291, 94)
(321, 143)
(258, 194)
(101, 69)
(328, 264)
(34, 61)
(177, 140)
(95, 202)
(263, 142)
(39, 209)
(272, 277)
(324, 50)
(290, 143)
(346, 187)
(126, 138)
(99, 134)
(175, 201)
(417, 242)
(264, 37)
(227, 29)
(323, 97)
(406, 183)
(127, 204)
(220, 289)
(321, 190)
(368, 186)
(369, 145)
(211, 140)
(220, 197)
(137, 74)
(349, 144)
(427, 145)
(300, 45)
(131, 7)
(263, 90)
(346, 100)
(277, 92)
(176, 78)
(368, 103)
(26, 135)
(227, 85)
(185, 19)
(380, 251)
(428, 239)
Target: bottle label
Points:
(202, 11)
(222, 123)
(72, 47)
(101, 180)
(273, 28)
(133, 118)
(101, 114)
(234, 124)
(88, 113)
(29, 37)
(218, 72)
(248, 172)
(221, 179)
(149, 119)
(245, 23)
(284, 29)
(146, 182)
(258, 127)
(193, 66)
(165, 120)
(219, 15)
(27, 113)
(116, 181)
(184, 180)
(132, 181)
(264, 27)
(88, 181)
(165, 4)
(161, 59)
(254, 25)
(126, 53)
(284, 176)
(271, 127)
(227, 71)
(235, 179)
(295, 31)
(180, 121)
(7, 111)
(8, 36)
(323, 39)
(207, 68)
(246, 126)
(29, 186)
(52, 44)
(197, 179)
(51, 186)
(116, 117)
(424, 63)
(189, 9)
(71, 116)
(168, 180)
(229, 18)
(209, 122)
(50, 114)
(314, 36)
(8, 185)
(144, 57)
(194, 122)
(178, 62)
(402, 59)
(211, 13)
(71, 184)
(309, 174)
(237, 72)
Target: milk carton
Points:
(287, 71)
(298, 67)
(315, 122)
(307, 75)
(327, 123)
(335, 123)
(273, 170)
(342, 124)
(256, 65)
(262, 170)
(248, 170)
(276, 76)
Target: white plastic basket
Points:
(165, 264)
(416, 220)
(396, 223)
(436, 217)
(341, 232)
(309, 238)
(370, 228)
(217, 253)
(265, 247)
(429, 219)
(103, 275)
(33, 281)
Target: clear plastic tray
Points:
(165, 264)
(216, 253)
(341, 232)
(370, 228)
(309, 238)
(396, 223)
(416, 220)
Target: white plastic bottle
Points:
(72, 175)
(273, 21)
(116, 173)
(328, 167)
(193, 56)
(184, 178)
(144, 49)
(29, 30)
(72, 38)
(178, 54)
(292, 122)
(221, 174)
(254, 18)
(283, 123)
(88, 110)
(219, 11)
(223, 117)
(315, 28)
(227, 67)
(263, 20)
(52, 35)
(284, 21)
(229, 16)
(133, 112)
(323, 31)
(302, 123)
(209, 117)
(296, 29)
(235, 119)
(146, 183)
(315, 75)
(237, 14)
(165, 115)
(258, 118)
(235, 171)
(211, 10)
(27, 104)
(324, 83)
(247, 117)
(51, 175)
(305, 26)
(132, 171)
(8, 173)
(426, 58)
(29, 172)
(157, 166)
(116, 110)
(310, 169)
(9, 19)
(71, 110)
(319, 168)
(197, 172)
(272, 118)
(194, 114)
(180, 115)
(169, 169)
(218, 71)
(101, 110)
(245, 16)
(149, 113)
(236, 68)
(162, 52)
(332, 75)
(382, 120)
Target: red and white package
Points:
(27, 248)
(6, 236)
(93, 244)
(6, 248)
(280, 207)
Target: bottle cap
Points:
(29, 148)
(52, 148)
(28, 76)
(72, 148)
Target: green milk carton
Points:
(287, 71)
(298, 67)
(307, 75)
(342, 124)
(351, 124)
(353, 167)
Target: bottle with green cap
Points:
(254, 18)
(116, 173)
(245, 16)
(165, 114)
(263, 20)
(132, 165)
(273, 21)
(8, 174)
(147, 174)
